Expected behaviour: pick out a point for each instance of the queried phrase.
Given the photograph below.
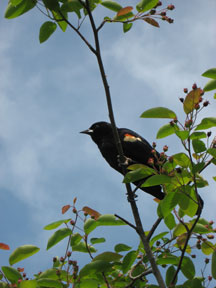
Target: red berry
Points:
(197, 106)
(170, 7)
(151, 161)
(165, 148)
(194, 86)
(69, 254)
(74, 210)
(185, 90)
(206, 103)
(153, 11)
(170, 20)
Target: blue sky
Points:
(49, 92)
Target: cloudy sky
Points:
(51, 91)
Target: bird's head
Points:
(98, 131)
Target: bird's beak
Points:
(88, 132)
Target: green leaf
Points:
(138, 174)
(75, 239)
(159, 112)
(89, 225)
(169, 220)
(211, 85)
(128, 261)
(166, 130)
(127, 27)
(61, 23)
(194, 283)
(206, 123)
(213, 265)
(179, 230)
(108, 256)
(167, 259)
(81, 247)
(103, 220)
(94, 267)
(89, 283)
(72, 6)
(15, 2)
(198, 146)
(46, 282)
(55, 224)
(212, 152)
(188, 268)
(187, 203)
(112, 5)
(22, 252)
(145, 5)
(168, 203)
(170, 274)
(122, 247)
(49, 273)
(109, 220)
(201, 229)
(15, 11)
(197, 135)
(210, 73)
(28, 284)
(11, 274)
(46, 30)
(207, 247)
(97, 240)
(181, 159)
(183, 135)
(156, 180)
(157, 237)
(197, 167)
(52, 5)
(58, 236)
(214, 177)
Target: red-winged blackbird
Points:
(136, 148)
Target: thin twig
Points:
(77, 31)
(154, 227)
(124, 220)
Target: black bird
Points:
(135, 147)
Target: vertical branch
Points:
(130, 193)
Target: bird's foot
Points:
(127, 161)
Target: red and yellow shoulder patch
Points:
(131, 138)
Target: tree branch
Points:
(130, 193)
(78, 32)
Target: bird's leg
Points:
(127, 161)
